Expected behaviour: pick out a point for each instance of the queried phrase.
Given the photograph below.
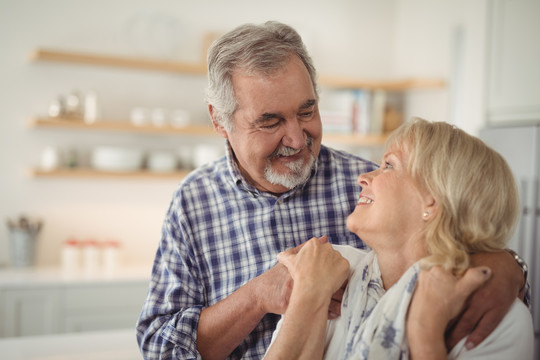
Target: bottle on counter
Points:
(91, 257)
(71, 256)
(111, 251)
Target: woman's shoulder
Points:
(512, 339)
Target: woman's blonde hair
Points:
(473, 186)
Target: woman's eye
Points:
(387, 165)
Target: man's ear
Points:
(219, 128)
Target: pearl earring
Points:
(426, 214)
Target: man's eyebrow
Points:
(308, 104)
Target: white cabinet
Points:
(514, 61)
(28, 312)
(100, 307)
(34, 304)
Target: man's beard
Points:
(300, 169)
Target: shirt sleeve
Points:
(512, 339)
(167, 327)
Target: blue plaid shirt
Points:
(220, 232)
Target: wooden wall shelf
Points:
(118, 61)
(385, 85)
(121, 126)
(87, 173)
(199, 130)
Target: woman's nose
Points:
(365, 179)
(362, 180)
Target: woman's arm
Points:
(438, 298)
(318, 271)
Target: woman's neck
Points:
(394, 263)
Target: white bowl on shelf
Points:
(161, 161)
(115, 158)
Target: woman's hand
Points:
(316, 268)
(439, 297)
(318, 271)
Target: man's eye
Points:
(270, 126)
(306, 114)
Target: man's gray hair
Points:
(256, 49)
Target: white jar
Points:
(50, 158)
(91, 109)
(91, 257)
(111, 252)
(71, 256)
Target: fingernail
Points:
(469, 345)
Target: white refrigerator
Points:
(520, 146)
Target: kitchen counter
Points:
(47, 276)
(103, 345)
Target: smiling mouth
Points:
(364, 200)
(289, 152)
(286, 152)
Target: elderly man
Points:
(215, 288)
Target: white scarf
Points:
(375, 319)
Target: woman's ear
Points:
(430, 207)
(217, 126)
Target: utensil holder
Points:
(23, 248)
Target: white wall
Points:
(132, 211)
(442, 38)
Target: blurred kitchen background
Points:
(103, 113)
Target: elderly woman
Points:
(439, 196)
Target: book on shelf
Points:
(358, 111)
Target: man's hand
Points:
(273, 289)
(276, 286)
(491, 302)
(334, 310)
(438, 298)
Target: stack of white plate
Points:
(115, 158)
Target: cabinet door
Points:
(513, 61)
(30, 312)
(97, 307)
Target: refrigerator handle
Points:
(534, 267)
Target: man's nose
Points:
(295, 136)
